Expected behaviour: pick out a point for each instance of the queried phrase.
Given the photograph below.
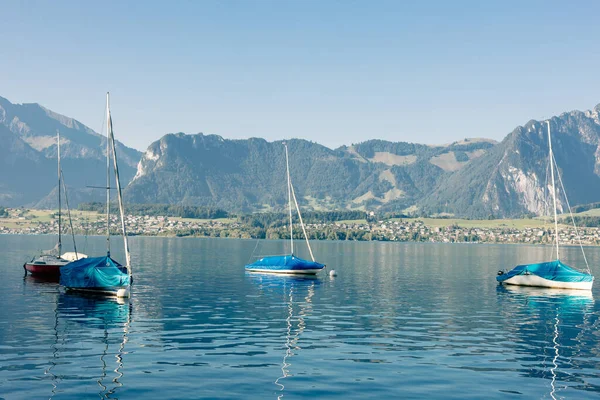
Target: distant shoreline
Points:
(433, 230)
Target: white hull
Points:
(537, 281)
(547, 292)
(120, 292)
(285, 271)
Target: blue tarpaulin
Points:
(552, 270)
(284, 263)
(94, 272)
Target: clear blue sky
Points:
(334, 72)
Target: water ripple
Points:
(399, 321)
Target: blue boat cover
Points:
(284, 263)
(94, 272)
(552, 270)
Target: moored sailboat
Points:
(288, 264)
(553, 274)
(49, 262)
(103, 275)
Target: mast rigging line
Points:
(111, 141)
(107, 176)
(287, 165)
(553, 188)
(572, 219)
(302, 223)
(59, 173)
(552, 165)
(69, 213)
(292, 195)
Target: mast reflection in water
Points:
(87, 331)
(297, 293)
(557, 320)
(204, 328)
(113, 317)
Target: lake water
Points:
(399, 321)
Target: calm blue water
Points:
(399, 321)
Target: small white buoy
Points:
(123, 292)
(332, 273)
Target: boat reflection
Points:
(559, 319)
(297, 293)
(110, 315)
(41, 281)
(99, 324)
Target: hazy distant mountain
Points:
(473, 178)
(249, 175)
(511, 179)
(28, 135)
(19, 165)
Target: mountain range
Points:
(511, 180)
(477, 178)
(249, 175)
(28, 157)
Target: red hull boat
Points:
(45, 265)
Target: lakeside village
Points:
(29, 222)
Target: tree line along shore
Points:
(339, 225)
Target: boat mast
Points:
(287, 165)
(107, 177)
(553, 188)
(119, 193)
(64, 185)
(302, 223)
(59, 200)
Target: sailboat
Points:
(552, 274)
(288, 264)
(49, 262)
(103, 275)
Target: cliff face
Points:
(513, 178)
